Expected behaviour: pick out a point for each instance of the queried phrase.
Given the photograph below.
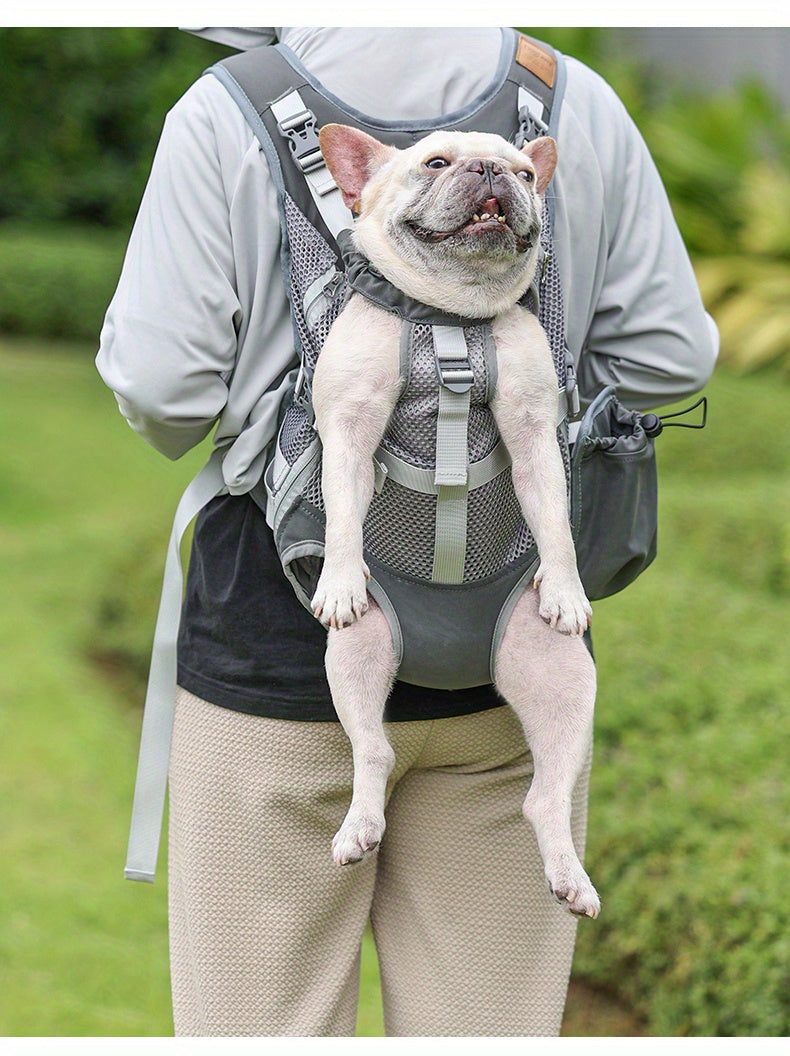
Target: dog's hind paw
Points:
(573, 889)
(357, 837)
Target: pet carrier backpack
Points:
(467, 538)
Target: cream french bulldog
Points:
(454, 222)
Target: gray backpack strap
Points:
(154, 758)
(456, 379)
(298, 125)
(540, 75)
(279, 97)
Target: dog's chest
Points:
(429, 434)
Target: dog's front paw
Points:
(357, 837)
(572, 887)
(563, 603)
(341, 598)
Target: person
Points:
(265, 930)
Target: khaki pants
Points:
(266, 929)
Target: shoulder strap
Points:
(286, 110)
(539, 73)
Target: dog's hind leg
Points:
(549, 680)
(361, 666)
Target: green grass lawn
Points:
(82, 951)
(688, 822)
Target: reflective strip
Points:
(154, 758)
(291, 112)
(318, 295)
(279, 502)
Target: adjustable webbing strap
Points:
(298, 125)
(154, 758)
(456, 379)
(390, 467)
(450, 550)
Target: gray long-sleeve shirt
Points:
(199, 332)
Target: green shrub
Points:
(57, 282)
(730, 197)
(81, 109)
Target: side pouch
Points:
(614, 496)
(289, 495)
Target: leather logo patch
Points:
(537, 61)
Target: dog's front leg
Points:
(356, 385)
(525, 409)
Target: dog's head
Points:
(453, 221)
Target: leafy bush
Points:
(57, 282)
(724, 158)
(733, 207)
(80, 114)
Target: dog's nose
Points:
(483, 167)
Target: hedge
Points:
(81, 110)
(58, 281)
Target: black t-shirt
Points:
(246, 643)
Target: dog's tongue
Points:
(491, 206)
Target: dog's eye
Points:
(437, 163)
(526, 175)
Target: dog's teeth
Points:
(476, 218)
(501, 219)
(484, 216)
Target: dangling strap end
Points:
(136, 874)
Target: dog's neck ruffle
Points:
(364, 279)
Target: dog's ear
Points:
(542, 152)
(352, 157)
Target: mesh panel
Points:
(496, 532)
(551, 313)
(400, 528)
(411, 433)
(311, 257)
(483, 433)
(312, 491)
(562, 440)
(296, 433)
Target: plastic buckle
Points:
(455, 374)
(529, 127)
(302, 136)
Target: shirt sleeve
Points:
(169, 338)
(649, 334)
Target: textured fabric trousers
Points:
(265, 930)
